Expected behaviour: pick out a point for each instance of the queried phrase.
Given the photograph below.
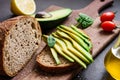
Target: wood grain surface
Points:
(99, 38)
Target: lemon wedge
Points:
(23, 7)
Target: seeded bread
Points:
(19, 39)
(47, 63)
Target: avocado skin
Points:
(58, 17)
(48, 25)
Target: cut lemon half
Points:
(23, 7)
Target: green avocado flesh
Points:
(71, 44)
(58, 14)
(56, 19)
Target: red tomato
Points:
(107, 16)
(108, 25)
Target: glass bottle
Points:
(112, 60)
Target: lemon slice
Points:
(23, 7)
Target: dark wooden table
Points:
(96, 70)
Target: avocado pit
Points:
(43, 15)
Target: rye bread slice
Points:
(19, 39)
(47, 63)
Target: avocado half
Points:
(57, 17)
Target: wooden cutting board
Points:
(99, 38)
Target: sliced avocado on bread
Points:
(47, 63)
(67, 45)
(52, 19)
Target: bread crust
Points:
(5, 27)
(3, 30)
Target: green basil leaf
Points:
(51, 41)
(85, 20)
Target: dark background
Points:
(96, 70)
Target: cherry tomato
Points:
(108, 25)
(107, 16)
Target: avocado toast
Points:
(68, 50)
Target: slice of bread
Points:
(19, 39)
(47, 63)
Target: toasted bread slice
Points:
(47, 63)
(19, 39)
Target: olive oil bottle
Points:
(112, 60)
